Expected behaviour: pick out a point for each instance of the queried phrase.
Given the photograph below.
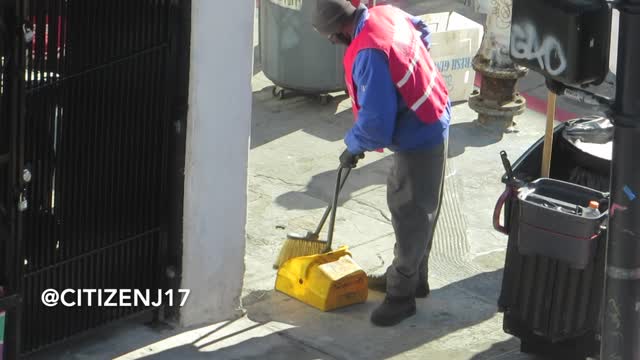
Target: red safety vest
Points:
(412, 70)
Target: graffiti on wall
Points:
(527, 44)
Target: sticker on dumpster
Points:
(630, 194)
(290, 4)
(617, 208)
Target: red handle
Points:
(498, 210)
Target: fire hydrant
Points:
(498, 100)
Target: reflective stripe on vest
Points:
(425, 97)
(412, 66)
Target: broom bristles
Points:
(293, 248)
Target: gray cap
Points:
(330, 15)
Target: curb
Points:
(538, 104)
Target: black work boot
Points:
(422, 290)
(379, 283)
(393, 310)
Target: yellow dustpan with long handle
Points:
(326, 281)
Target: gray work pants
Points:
(414, 195)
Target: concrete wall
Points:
(219, 127)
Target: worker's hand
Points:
(349, 160)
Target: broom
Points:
(297, 245)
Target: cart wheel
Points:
(277, 92)
(324, 99)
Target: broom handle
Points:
(332, 221)
(548, 138)
(327, 211)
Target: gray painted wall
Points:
(216, 164)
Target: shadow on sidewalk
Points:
(506, 350)
(322, 185)
(469, 134)
(273, 118)
(348, 333)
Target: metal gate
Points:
(88, 107)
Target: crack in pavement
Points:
(290, 337)
(277, 179)
(382, 213)
(365, 192)
(372, 240)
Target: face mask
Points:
(340, 38)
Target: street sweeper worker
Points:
(401, 103)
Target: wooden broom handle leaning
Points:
(548, 138)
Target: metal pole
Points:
(621, 318)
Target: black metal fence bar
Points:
(96, 133)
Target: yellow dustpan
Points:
(326, 281)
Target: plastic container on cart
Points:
(554, 223)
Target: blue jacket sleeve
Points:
(378, 100)
(424, 29)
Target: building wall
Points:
(218, 134)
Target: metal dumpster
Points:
(552, 301)
(293, 55)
